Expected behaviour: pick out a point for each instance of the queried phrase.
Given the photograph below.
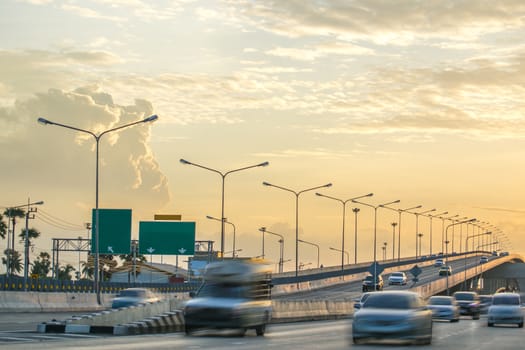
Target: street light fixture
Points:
(223, 176)
(375, 207)
(296, 193)
(315, 245)
(281, 246)
(344, 252)
(97, 138)
(226, 222)
(343, 202)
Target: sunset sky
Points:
(420, 101)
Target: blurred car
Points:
(444, 308)
(483, 259)
(468, 304)
(132, 297)
(369, 285)
(438, 263)
(484, 302)
(397, 278)
(445, 270)
(396, 315)
(359, 301)
(505, 309)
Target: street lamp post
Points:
(97, 138)
(466, 255)
(430, 217)
(343, 202)
(400, 211)
(443, 230)
(226, 222)
(223, 176)
(447, 242)
(355, 210)
(417, 225)
(281, 246)
(394, 224)
(344, 252)
(453, 232)
(296, 193)
(375, 207)
(315, 245)
(420, 236)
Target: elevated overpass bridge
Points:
(499, 272)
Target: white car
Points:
(444, 308)
(397, 278)
(505, 309)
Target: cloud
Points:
(129, 174)
(382, 22)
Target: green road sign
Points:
(166, 238)
(114, 233)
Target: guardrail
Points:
(15, 283)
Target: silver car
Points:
(505, 309)
(444, 308)
(393, 315)
(397, 278)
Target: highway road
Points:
(466, 335)
(352, 290)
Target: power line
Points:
(51, 219)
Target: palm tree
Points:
(12, 214)
(12, 260)
(3, 227)
(88, 269)
(31, 234)
(42, 265)
(64, 272)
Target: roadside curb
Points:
(167, 322)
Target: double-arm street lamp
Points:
(223, 176)
(343, 202)
(97, 138)
(375, 207)
(281, 246)
(297, 194)
(315, 245)
(226, 222)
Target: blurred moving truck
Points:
(235, 294)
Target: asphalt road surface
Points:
(468, 334)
